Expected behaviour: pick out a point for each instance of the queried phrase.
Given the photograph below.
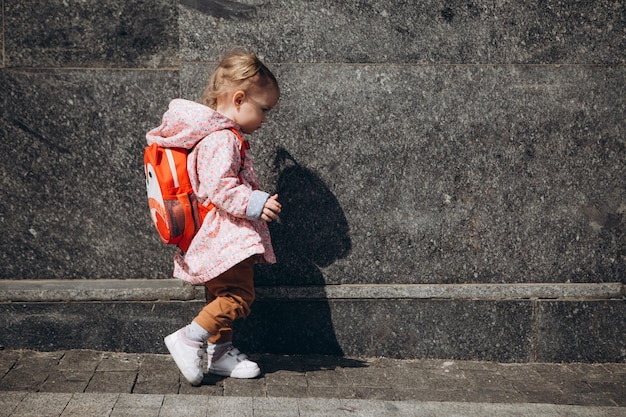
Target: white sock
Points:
(197, 332)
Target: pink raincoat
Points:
(233, 231)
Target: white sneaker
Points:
(187, 354)
(227, 360)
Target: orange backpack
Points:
(174, 208)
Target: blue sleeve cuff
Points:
(256, 204)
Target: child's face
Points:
(253, 106)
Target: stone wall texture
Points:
(431, 142)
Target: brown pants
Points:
(230, 296)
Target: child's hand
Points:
(271, 210)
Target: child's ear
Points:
(238, 98)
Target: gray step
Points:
(494, 322)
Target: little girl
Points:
(234, 235)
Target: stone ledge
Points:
(173, 289)
(98, 290)
(448, 291)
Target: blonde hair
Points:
(237, 69)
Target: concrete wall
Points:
(436, 142)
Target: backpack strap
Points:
(245, 145)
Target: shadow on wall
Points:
(313, 233)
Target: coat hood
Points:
(186, 123)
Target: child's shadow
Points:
(313, 233)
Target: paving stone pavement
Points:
(85, 383)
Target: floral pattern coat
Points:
(232, 232)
